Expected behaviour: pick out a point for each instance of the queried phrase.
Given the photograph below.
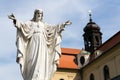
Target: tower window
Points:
(106, 73)
(89, 41)
(96, 38)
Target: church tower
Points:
(92, 36)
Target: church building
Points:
(97, 61)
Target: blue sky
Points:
(105, 13)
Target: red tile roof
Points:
(70, 51)
(67, 58)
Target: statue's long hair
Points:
(35, 12)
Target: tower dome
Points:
(91, 25)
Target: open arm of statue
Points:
(67, 23)
(12, 17)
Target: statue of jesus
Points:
(38, 46)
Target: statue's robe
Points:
(38, 49)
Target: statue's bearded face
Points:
(39, 15)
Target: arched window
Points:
(91, 77)
(61, 79)
(106, 73)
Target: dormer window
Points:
(82, 60)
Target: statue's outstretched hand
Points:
(12, 17)
(68, 23)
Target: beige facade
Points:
(110, 58)
(66, 74)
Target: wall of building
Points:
(110, 58)
(66, 74)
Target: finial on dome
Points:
(90, 14)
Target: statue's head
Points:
(38, 15)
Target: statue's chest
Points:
(38, 27)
